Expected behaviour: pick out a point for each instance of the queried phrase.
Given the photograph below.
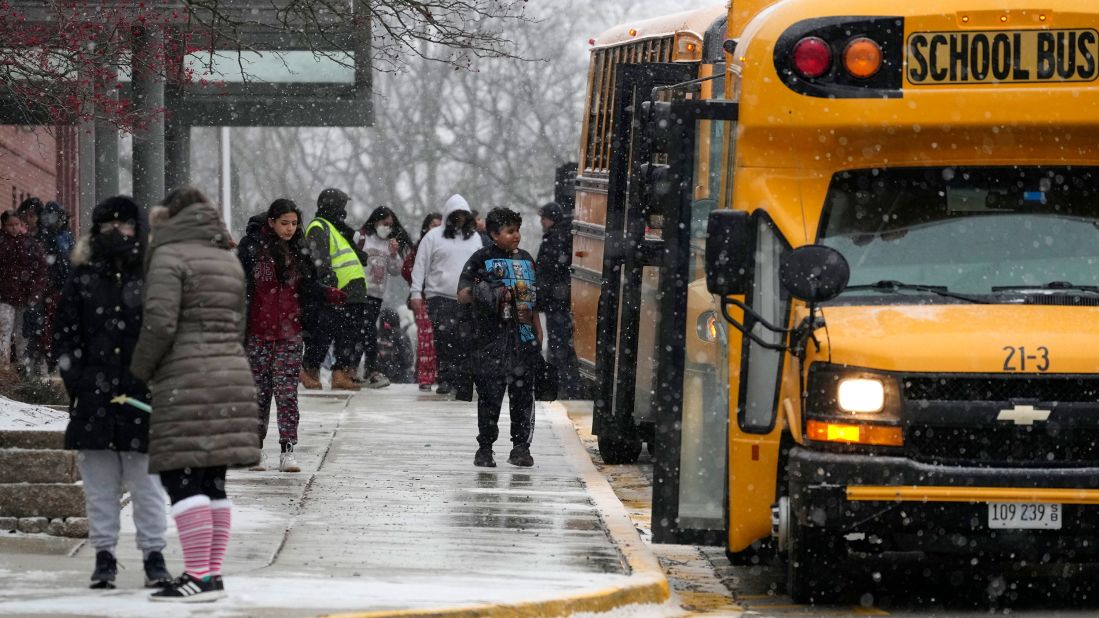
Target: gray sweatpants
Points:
(104, 473)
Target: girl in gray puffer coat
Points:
(191, 354)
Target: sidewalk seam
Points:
(647, 585)
(305, 491)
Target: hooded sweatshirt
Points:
(439, 260)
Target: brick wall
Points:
(28, 165)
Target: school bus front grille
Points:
(600, 121)
(1045, 389)
(1038, 445)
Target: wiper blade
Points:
(893, 286)
(1052, 285)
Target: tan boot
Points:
(341, 381)
(310, 379)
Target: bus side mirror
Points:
(730, 244)
(814, 273)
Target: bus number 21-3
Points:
(1017, 359)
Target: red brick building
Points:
(41, 162)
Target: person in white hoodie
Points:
(385, 242)
(442, 255)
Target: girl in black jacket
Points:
(97, 325)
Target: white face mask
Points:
(383, 231)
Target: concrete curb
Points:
(648, 584)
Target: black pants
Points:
(342, 325)
(448, 324)
(370, 336)
(562, 354)
(519, 386)
(186, 482)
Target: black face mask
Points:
(111, 244)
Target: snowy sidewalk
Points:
(388, 514)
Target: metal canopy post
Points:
(148, 93)
(106, 142)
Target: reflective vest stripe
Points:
(345, 262)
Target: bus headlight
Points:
(861, 395)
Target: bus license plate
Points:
(1005, 56)
(1024, 515)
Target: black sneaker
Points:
(106, 568)
(483, 458)
(187, 589)
(156, 572)
(443, 389)
(219, 585)
(520, 456)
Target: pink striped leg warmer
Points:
(221, 513)
(195, 527)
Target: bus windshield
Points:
(974, 231)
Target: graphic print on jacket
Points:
(518, 276)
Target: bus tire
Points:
(616, 451)
(813, 569)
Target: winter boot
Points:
(483, 458)
(261, 465)
(106, 568)
(156, 572)
(341, 381)
(188, 589)
(376, 380)
(520, 456)
(310, 379)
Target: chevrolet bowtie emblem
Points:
(1024, 415)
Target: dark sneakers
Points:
(443, 389)
(483, 458)
(156, 572)
(187, 589)
(106, 568)
(520, 456)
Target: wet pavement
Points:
(387, 513)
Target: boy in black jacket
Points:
(499, 282)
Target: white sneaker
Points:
(287, 463)
(262, 465)
(377, 380)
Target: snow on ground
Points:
(16, 415)
(250, 595)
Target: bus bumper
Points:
(879, 505)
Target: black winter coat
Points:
(553, 268)
(97, 325)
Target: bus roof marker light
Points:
(862, 58)
(633, 31)
(812, 57)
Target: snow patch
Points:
(19, 416)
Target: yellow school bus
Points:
(884, 349)
(625, 60)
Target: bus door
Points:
(692, 394)
(629, 312)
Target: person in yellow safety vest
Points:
(339, 264)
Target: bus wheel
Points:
(615, 451)
(813, 567)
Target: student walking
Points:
(425, 337)
(204, 399)
(442, 254)
(281, 291)
(555, 295)
(383, 239)
(21, 286)
(339, 264)
(97, 325)
(499, 283)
